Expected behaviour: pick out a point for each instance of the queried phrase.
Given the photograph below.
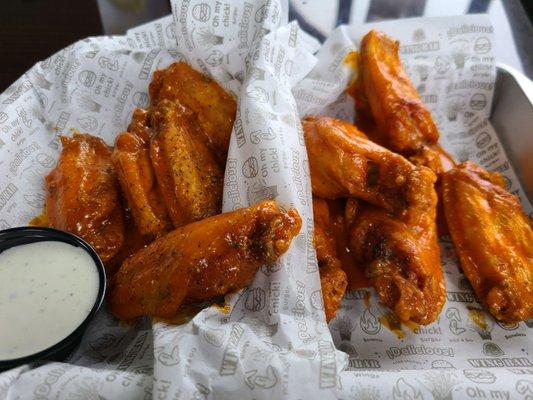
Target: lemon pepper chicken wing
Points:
(131, 158)
(332, 278)
(203, 259)
(214, 108)
(493, 238)
(188, 176)
(82, 194)
(394, 237)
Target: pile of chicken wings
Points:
(150, 206)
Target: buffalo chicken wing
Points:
(390, 110)
(344, 163)
(83, 197)
(203, 259)
(401, 259)
(396, 106)
(493, 238)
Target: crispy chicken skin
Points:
(82, 194)
(131, 158)
(396, 106)
(493, 238)
(332, 278)
(214, 108)
(188, 176)
(207, 258)
(344, 163)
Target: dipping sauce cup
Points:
(52, 283)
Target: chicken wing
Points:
(388, 107)
(82, 194)
(344, 163)
(203, 259)
(493, 238)
(364, 119)
(396, 106)
(188, 176)
(401, 259)
(214, 107)
(131, 158)
(332, 277)
(430, 155)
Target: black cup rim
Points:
(30, 234)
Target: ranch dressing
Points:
(47, 289)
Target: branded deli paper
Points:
(274, 342)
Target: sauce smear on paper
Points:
(390, 321)
(40, 220)
(477, 316)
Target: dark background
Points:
(32, 30)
